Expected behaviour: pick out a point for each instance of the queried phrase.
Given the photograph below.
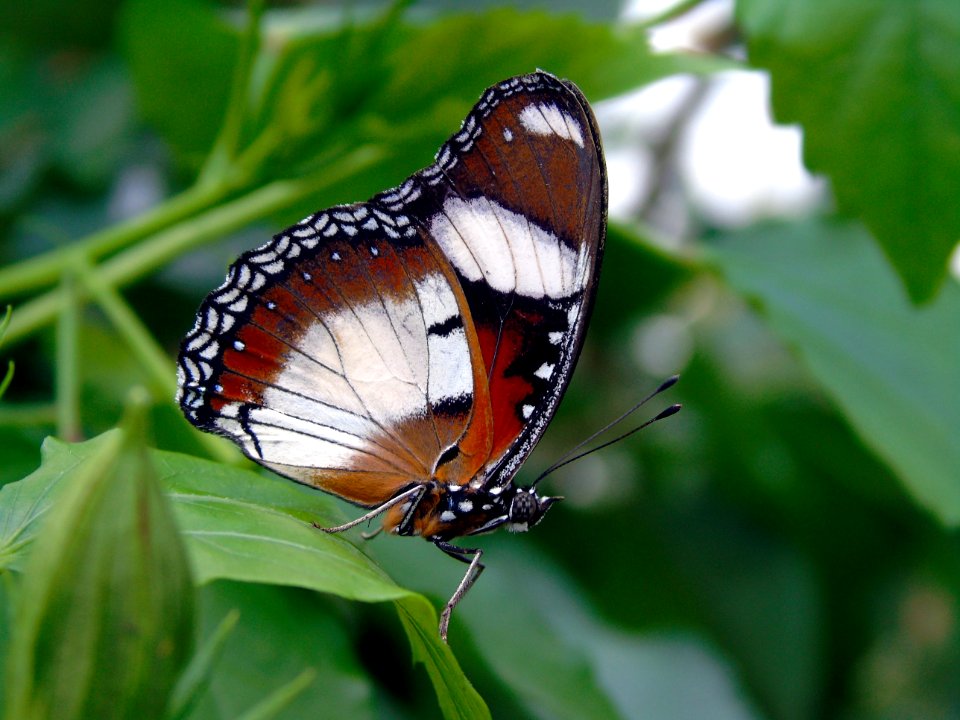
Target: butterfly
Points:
(407, 353)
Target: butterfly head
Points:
(526, 509)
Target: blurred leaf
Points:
(9, 589)
(281, 632)
(67, 112)
(760, 598)
(77, 24)
(278, 701)
(876, 86)
(241, 525)
(891, 368)
(636, 277)
(668, 677)
(196, 677)
(532, 628)
(7, 375)
(23, 149)
(181, 55)
(322, 84)
(89, 123)
(428, 63)
(104, 619)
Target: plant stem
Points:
(8, 375)
(28, 414)
(168, 244)
(671, 13)
(68, 360)
(223, 154)
(149, 355)
(45, 269)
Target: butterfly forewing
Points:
(517, 203)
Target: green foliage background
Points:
(785, 548)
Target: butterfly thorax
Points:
(444, 511)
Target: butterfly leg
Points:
(469, 578)
(415, 492)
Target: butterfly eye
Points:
(526, 508)
(523, 508)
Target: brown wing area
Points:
(550, 179)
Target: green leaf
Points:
(244, 526)
(241, 525)
(279, 700)
(876, 86)
(426, 65)
(760, 598)
(321, 85)
(892, 368)
(180, 54)
(533, 629)
(104, 619)
(281, 633)
(457, 697)
(196, 676)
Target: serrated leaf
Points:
(891, 368)
(876, 86)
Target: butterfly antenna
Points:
(574, 453)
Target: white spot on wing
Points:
(287, 441)
(437, 299)
(544, 119)
(451, 375)
(485, 240)
(370, 360)
(545, 371)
